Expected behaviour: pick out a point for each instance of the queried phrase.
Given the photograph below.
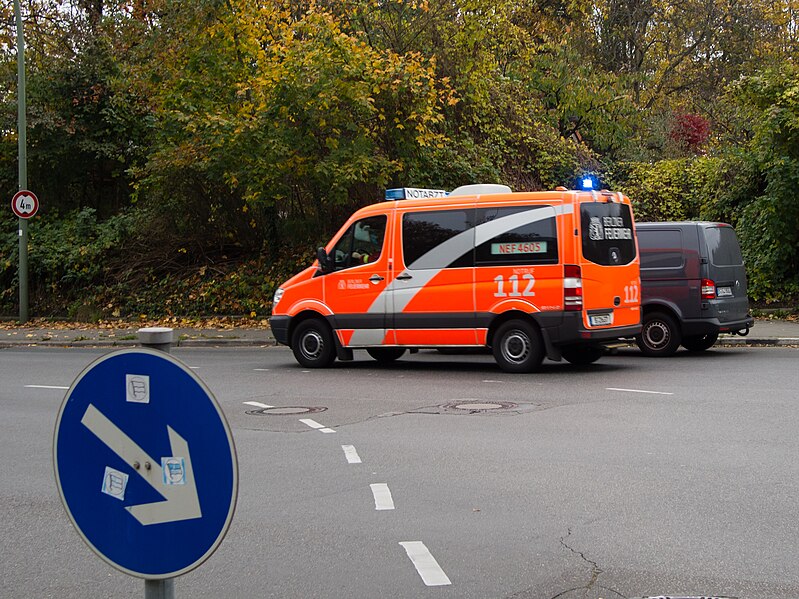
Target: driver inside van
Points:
(367, 244)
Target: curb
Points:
(189, 343)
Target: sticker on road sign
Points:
(114, 483)
(137, 388)
(174, 471)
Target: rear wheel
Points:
(517, 347)
(581, 356)
(697, 343)
(660, 336)
(312, 344)
(384, 355)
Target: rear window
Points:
(722, 245)
(607, 233)
(661, 248)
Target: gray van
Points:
(693, 286)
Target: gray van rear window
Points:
(607, 232)
(660, 248)
(722, 245)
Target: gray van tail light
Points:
(708, 289)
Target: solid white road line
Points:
(45, 387)
(261, 369)
(426, 565)
(258, 404)
(382, 494)
(326, 430)
(351, 455)
(638, 391)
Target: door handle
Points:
(404, 277)
(376, 278)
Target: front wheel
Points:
(385, 355)
(660, 336)
(312, 344)
(517, 347)
(581, 356)
(697, 343)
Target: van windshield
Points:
(722, 245)
(607, 233)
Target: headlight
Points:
(278, 295)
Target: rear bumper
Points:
(570, 331)
(709, 326)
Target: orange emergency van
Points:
(528, 275)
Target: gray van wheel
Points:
(312, 344)
(384, 355)
(517, 347)
(660, 335)
(697, 343)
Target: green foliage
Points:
(665, 190)
(67, 258)
(207, 139)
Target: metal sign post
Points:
(22, 135)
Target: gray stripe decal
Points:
(454, 248)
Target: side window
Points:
(362, 243)
(722, 244)
(517, 235)
(438, 239)
(660, 249)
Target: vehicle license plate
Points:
(724, 292)
(599, 320)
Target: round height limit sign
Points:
(25, 203)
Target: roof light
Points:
(587, 183)
(414, 193)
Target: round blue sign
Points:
(145, 463)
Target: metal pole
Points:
(22, 136)
(159, 589)
(158, 338)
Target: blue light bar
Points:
(587, 183)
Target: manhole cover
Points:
(474, 407)
(286, 411)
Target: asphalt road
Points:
(633, 477)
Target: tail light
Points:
(572, 288)
(708, 289)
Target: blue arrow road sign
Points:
(145, 463)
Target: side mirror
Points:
(325, 264)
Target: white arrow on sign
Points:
(182, 502)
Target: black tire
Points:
(385, 355)
(581, 356)
(660, 336)
(697, 343)
(517, 347)
(312, 344)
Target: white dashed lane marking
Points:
(45, 387)
(258, 404)
(638, 391)
(351, 455)
(425, 564)
(382, 494)
(314, 424)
